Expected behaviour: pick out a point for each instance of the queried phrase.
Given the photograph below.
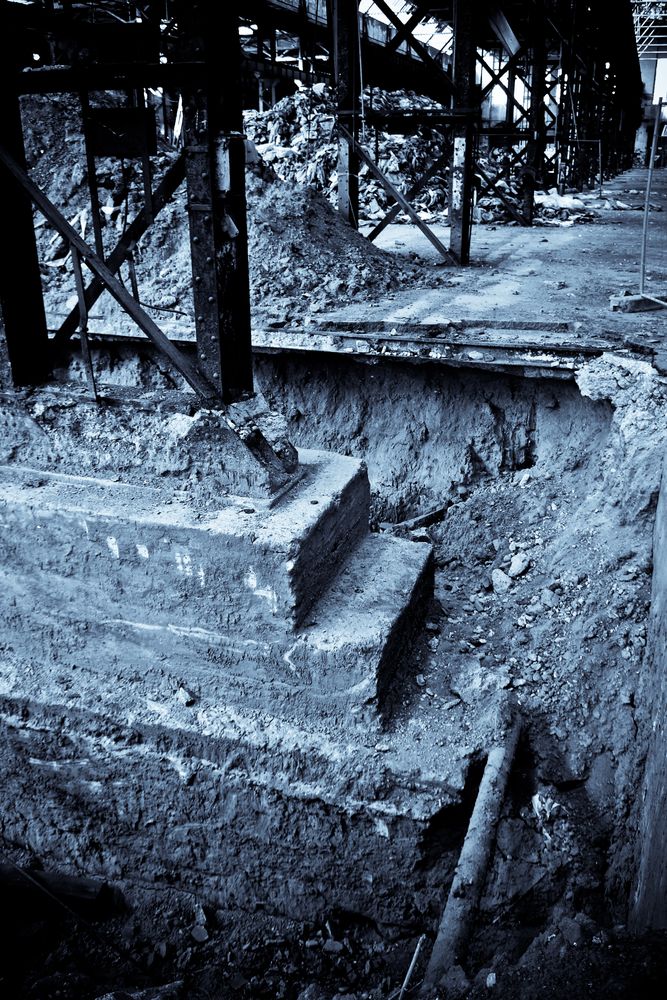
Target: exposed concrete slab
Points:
(636, 303)
(208, 748)
(541, 351)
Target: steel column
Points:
(536, 145)
(461, 176)
(215, 172)
(347, 78)
(24, 347)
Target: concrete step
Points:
(363, 628)
(290, 607)
(216, 802)
(96, 550)
(335, 672)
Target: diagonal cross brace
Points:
(508, 66)
(202, 387)
(506, 202)
(399, 198)
(406, 30)
(418, 46)
(412, 193)
(498, 80)
(123, 249)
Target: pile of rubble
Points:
(305, 258)
(295, 237)
(298, 138)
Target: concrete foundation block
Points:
(107, 551)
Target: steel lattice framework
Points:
(650, 17)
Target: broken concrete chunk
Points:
(548, 598)
(185, 697)
(501, 581)
(571, 931)
(333, 947)
(519, 564)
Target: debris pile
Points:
(303, 257)
(298, 138)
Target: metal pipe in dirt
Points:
(470, 875)
(647, 203)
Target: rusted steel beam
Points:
(491, 186)
(419, 47)
(406, 30)
(215, 174)
(507, 87)
(534, 158)
(396, 209)
(461, 175)
(347, 80)
(496, 77)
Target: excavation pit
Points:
(542, 596)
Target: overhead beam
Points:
(406, 29)
(503, 32)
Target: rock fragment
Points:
(501, 581)
(519, 564)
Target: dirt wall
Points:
(427, 432)
(649, 903)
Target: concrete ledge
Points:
(375, 605)
(634, 303)
(226, 818)
(332, 675)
